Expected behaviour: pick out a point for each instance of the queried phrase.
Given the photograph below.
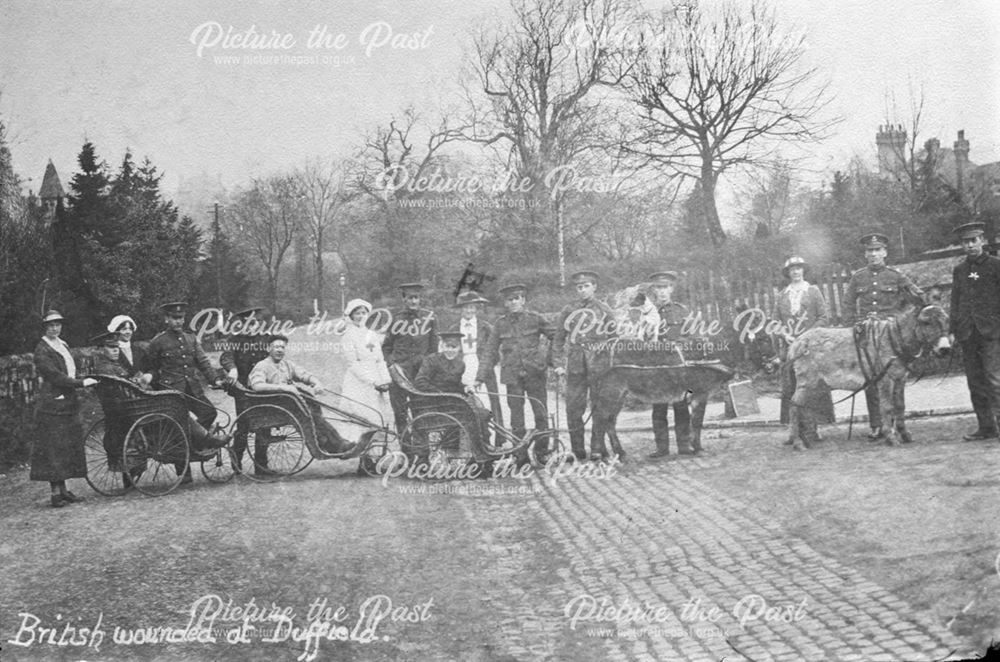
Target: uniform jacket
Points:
(411, 335)
(672, 316)
(244, 352)
(812, 310)
(439, 374)
(58, 392)
(516, 343)
(883, 291)
(105, 366)
(174, 359)
(975, 298)
(568, 345)
(138, 360)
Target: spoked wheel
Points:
(437, 438)
(104, 473)
(555, 447)
(219, 467)
(154, 447)
(275, 443)
(377, 448)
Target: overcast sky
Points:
(126, 74)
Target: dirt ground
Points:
(921, 519)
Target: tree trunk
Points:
(272, 291)
(320, 284)
(709, 211)
(561, 239)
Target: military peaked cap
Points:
(969, 230)
(513, 288)
(174, 308)
(584, 277)
(663, 277)
(106, 339)
(874, 240)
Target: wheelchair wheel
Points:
(219, 467)
(377, 447)
(275, 443)
(103, 475)
(155, 446)
(437, 437)
(556, 447)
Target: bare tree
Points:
(770, 190)
(898, 139)
(539, 92)
(326, 189)
(395, 165)
(398, 155)
(267, 218)
(719, 88)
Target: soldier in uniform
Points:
(245, 350)
(975, 323)
(581, 322)
(173, 361)
(442, 373)
(107, 362)
(517, 344)
(412, 335)
(877, 292)
(672, 316)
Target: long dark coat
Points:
(57, 452)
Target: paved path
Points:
(929, 396)
(689, 564)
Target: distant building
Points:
(49, 194)
(978, 186)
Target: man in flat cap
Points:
(411, 335)
(517, 343)
(975, 323)
(173, 360)
(672, 316)
(476, 335)
(244, 350)
(581, 322)
(877, 292)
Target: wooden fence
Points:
(19, 382)
(721, 295)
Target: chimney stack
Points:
(961, 148)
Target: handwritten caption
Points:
(213, 619)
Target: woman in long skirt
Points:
(57, 452)
(800, 307)
(366, 377)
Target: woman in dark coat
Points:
(131, 357)
(58, 453)
(800, 307)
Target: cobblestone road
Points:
(690, 572)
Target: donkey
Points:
(831, 356)
(651, 375)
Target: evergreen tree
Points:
(88, 195)
(25, 260)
